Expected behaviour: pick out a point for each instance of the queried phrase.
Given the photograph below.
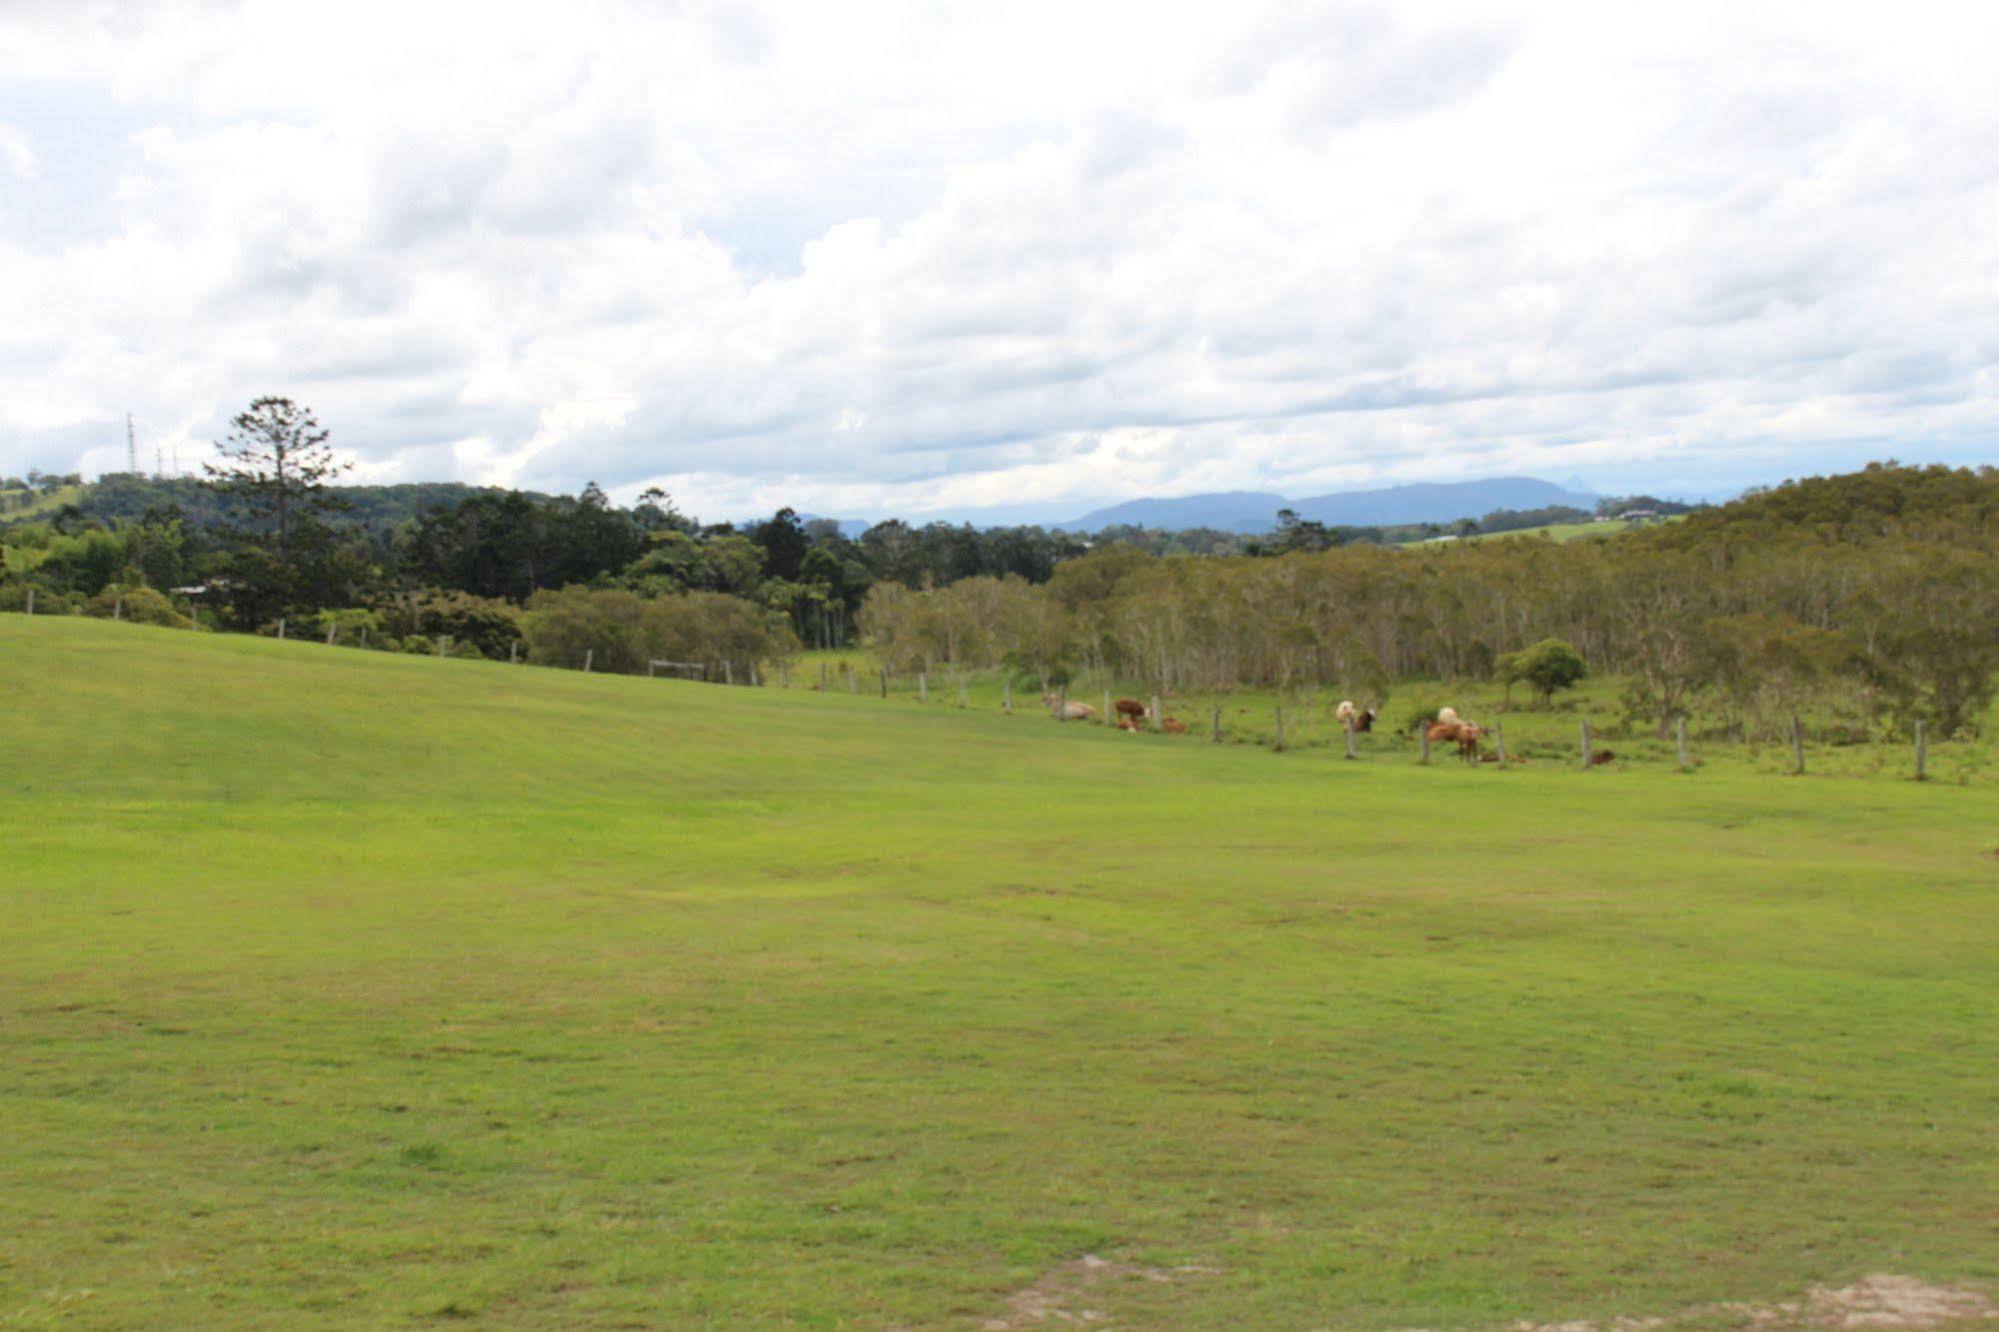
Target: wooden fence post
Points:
(1158, 716)
(364, 638)
(1280, 727)
(589, 654)
(31, 601)
(922, 686)
(1109, 717)
(884, 675)
(331, 629)
(1347, 726)
(1499, 743)
(1062, 705)
(1797, 745)
(1215, 721)
(1586, 744)
(1922, 751)
(440, 645)
(281, 628)
(728, 672)
(753, 676)
(853, 681)
(118, 608)
(513, 650)
(964, 695)
(1006, 700)
(1680, 738)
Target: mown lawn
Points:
(361, 990)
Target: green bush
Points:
(1549, 665)
(620, 631)
(141, 605)
(14, 597)
(488, 625)
(350, 624)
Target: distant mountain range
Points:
(1254, 512)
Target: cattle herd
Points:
(1129, 714)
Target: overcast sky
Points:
(1005, 259)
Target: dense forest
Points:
(1874, 596)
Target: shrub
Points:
(349, 625)
(142, 605)
(1549, 665)
(14, 597)
(491, 626)
(620, 631)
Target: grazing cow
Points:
(1601, 757)
(1070, 711)
(1361, 719)
(1463, 733)
(1129, 707)
(1127, 723)
(1173, 726)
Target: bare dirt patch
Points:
(1890, 1302)
(1063, 1294)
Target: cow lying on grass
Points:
(1067, 711)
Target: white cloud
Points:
(17, 155)
(917, 257)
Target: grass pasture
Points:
(365, 990)
(1573, 531)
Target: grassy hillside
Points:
(27, 505)
(369, 990)
(1572, 531)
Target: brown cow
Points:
(1173, 726)
(1463, 733)
(1129, 707)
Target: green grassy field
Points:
(349, 989)
(1569, 531)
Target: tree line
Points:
(271, 536)
(1871, 598)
